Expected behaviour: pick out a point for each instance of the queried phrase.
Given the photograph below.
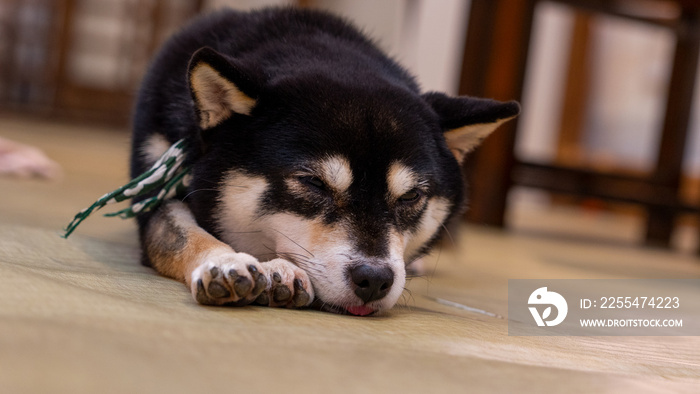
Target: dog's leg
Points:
(215, 274)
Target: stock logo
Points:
(543, 297)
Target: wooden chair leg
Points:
(576, 94)
(495, 57)
(667, 175)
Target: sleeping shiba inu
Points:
(319, 169)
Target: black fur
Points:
(321, 87)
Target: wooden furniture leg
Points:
(498, 72)
(667, 175)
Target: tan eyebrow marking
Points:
(335, 171)
(400, 179)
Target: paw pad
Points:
(289, 285)
(241, 284)
(228, 278)
(231, 279)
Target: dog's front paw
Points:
(228, 278)
(288, 285)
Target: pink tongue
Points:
(360, 310)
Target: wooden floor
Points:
(82, 316)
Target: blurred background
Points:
(610, 127)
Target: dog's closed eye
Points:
(313, 182)
(412, 196)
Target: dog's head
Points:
(349, 179)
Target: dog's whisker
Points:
(410, 293)
(449, 234)
(296, 255)
(310, 268)
(429, 277)
(207, 180)
(283, 254)
(307, 266)
(272, 251)
(407, 298)
(414, 275)
(294, 242)
(198, 190)
(297, 259)
(239, 186)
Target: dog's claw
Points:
(301, 297)
(276, 277)
(260, 281)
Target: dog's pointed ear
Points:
(466, 121)
(219, 87)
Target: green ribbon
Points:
(166, 174)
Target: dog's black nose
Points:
(372, 282)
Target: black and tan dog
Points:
(319, 169)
